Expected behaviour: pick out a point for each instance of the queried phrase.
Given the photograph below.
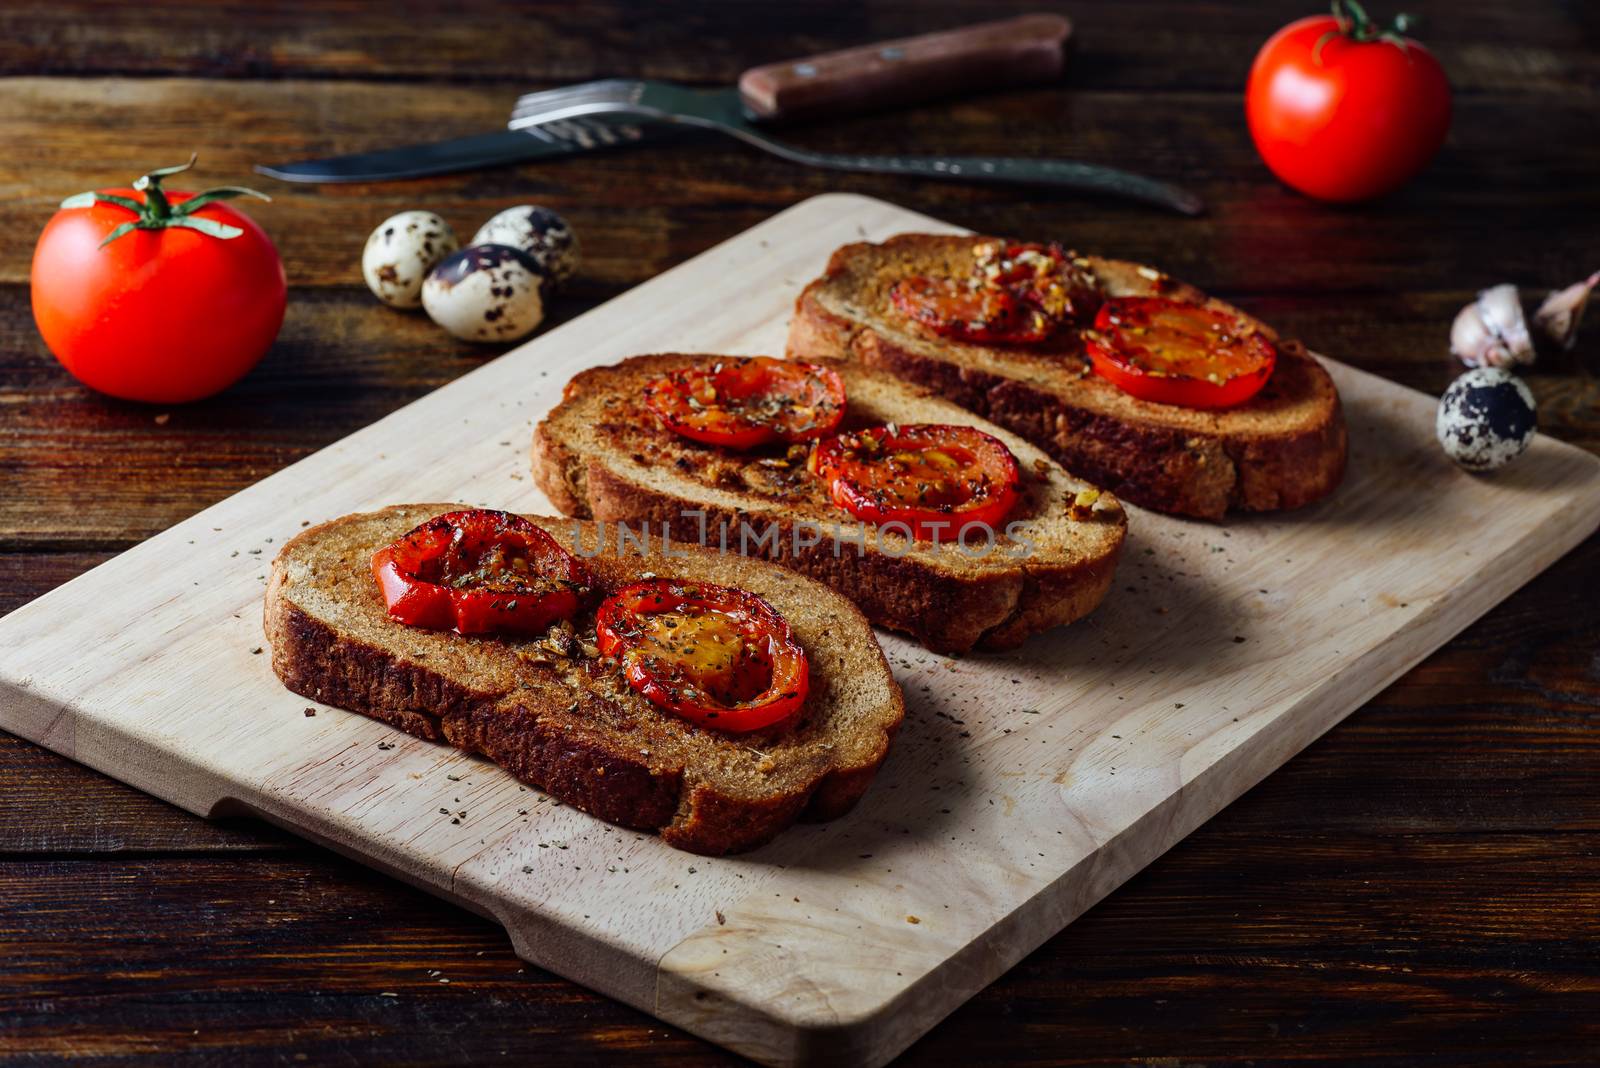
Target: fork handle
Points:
(1025, 50)
(1064, 174)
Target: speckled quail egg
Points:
(1486, 419)
(539, 232)
(485, 293)
(401, 252)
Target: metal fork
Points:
(586, 133)
(723, 110)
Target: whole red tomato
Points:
(1344, 110)
(175, 307)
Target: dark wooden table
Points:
(1422, 885)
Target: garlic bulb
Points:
(1559, 315)
(1491, 331)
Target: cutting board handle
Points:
(1025, 50)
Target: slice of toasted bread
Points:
(1283, 448)
(601, 453)
(556, 714)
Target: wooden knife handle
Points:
(1024, 50)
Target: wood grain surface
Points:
(1419, 886)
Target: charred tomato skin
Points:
(620, 631)
(1016, 294)
(939, 480)
(480, 571)
(1179, 352)
(742, 403)
(956, 308)
(1048, 278)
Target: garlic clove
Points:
(1471, 340)
(1491, 331)
(1559, 315)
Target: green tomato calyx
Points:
(158, 213)
(1356, 25)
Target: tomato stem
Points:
(1356, 25)
(157, 212)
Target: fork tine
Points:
(543, 134)
(608, 91)
(573, 131)
(585, 133)
(589, 133)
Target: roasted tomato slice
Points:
(477, 571)
(716, 656)
(1046, 278)
(1177, 352)
(967, 310)
(1016, 295)
(740, 403)
(938, 480)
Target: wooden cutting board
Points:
(1024, 787)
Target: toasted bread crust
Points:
(947, 609)
(1283, 451)
(549, 734)
(319, 663)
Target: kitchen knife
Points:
(467, 153)
(1026, 50)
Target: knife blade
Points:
(497, 148)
